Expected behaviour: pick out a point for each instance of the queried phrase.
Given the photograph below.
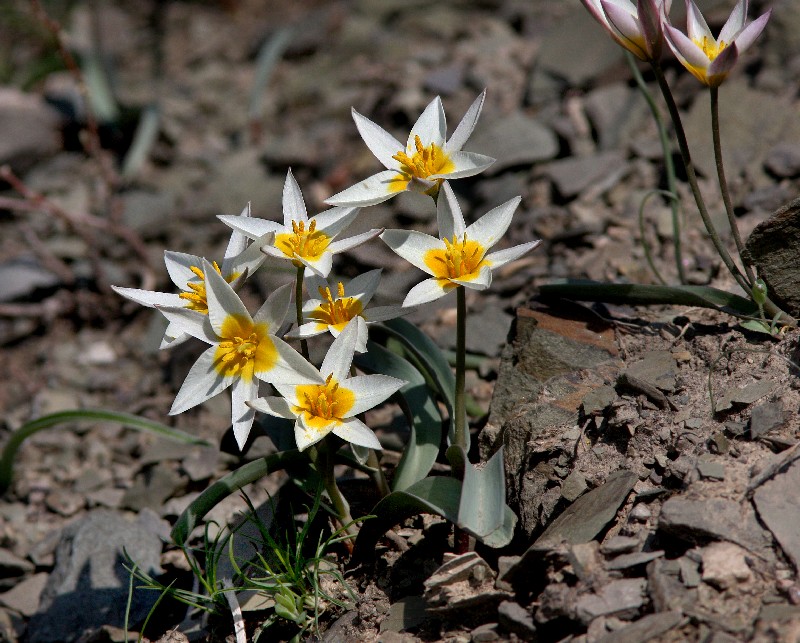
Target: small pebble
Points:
(640, 513)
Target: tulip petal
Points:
(343, 245)
(222, 300)
(412, 245)
(372, 190)
(334, 220)
(502, 257)
(734, 24)
(291, 368)
(179, 266)
(448, 214)
(242, 415)
(431, 127)
(273, 405)
(696, 25)
(752, 31)
(427, 291)
(273, 311)
(238, 242)
(466, 126)
(371, 390)
(250, 226)
(150, 298)
(321, 266)
(382, 144)
(340, 355)
(481, 281)
(356, 432)
(294, 207)
(189, 322)
(465, 164)
(627, 27)
(306, 435)
(488, 230)
(201, 383)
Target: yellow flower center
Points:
(308, 243)
(460, 259)
(196, 293)
(425, 162)
(710, 47)
(336, 311)
(323, 403)
(245, 349)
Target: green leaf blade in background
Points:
(648, 295)
(419, 407)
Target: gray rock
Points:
(407, 613)
(783, 160)
(778, 506)
(571, 175)
(747, 395)
(20, 276)
(657, 368)
(515, 618)
(574, 486)
(152, 487)
(29, 129)
(752, 122)
(515, 139)
(773, 247)
(626, 561)
(647, 628)
(12, 565)
(622, 597)
(709, 469)
(445, 80)
(149, 213)
(577, 50)
(596, 401)
(590, 513)
(619, 545)
(690, 574)
(766, 417)
(487, 331)
(89, 572)
(725, 566)
(613, 111)
(713, 518)
(25, 596)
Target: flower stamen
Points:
(196, 293)
(308, 243)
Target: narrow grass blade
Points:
(83, 415)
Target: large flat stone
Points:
(778, 506)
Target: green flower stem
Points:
(326, 458)
(669, 166)
(723, 183)
(378, 477)
(692, 176)
(460, 422)
(298, 303)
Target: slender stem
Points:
(460, 437)
(723, 183)
(325, 462)
(378, 477)
(298, 302)
(692, 176)
(669, 165)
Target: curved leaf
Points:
(436, 495)
(230, 484)
(638, 294)
(84, 415)
(419, 408)
(483, 496)
(431, 361)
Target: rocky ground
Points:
(651, 453)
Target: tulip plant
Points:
(642, 29)
(312, 411)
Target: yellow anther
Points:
(340, 289)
